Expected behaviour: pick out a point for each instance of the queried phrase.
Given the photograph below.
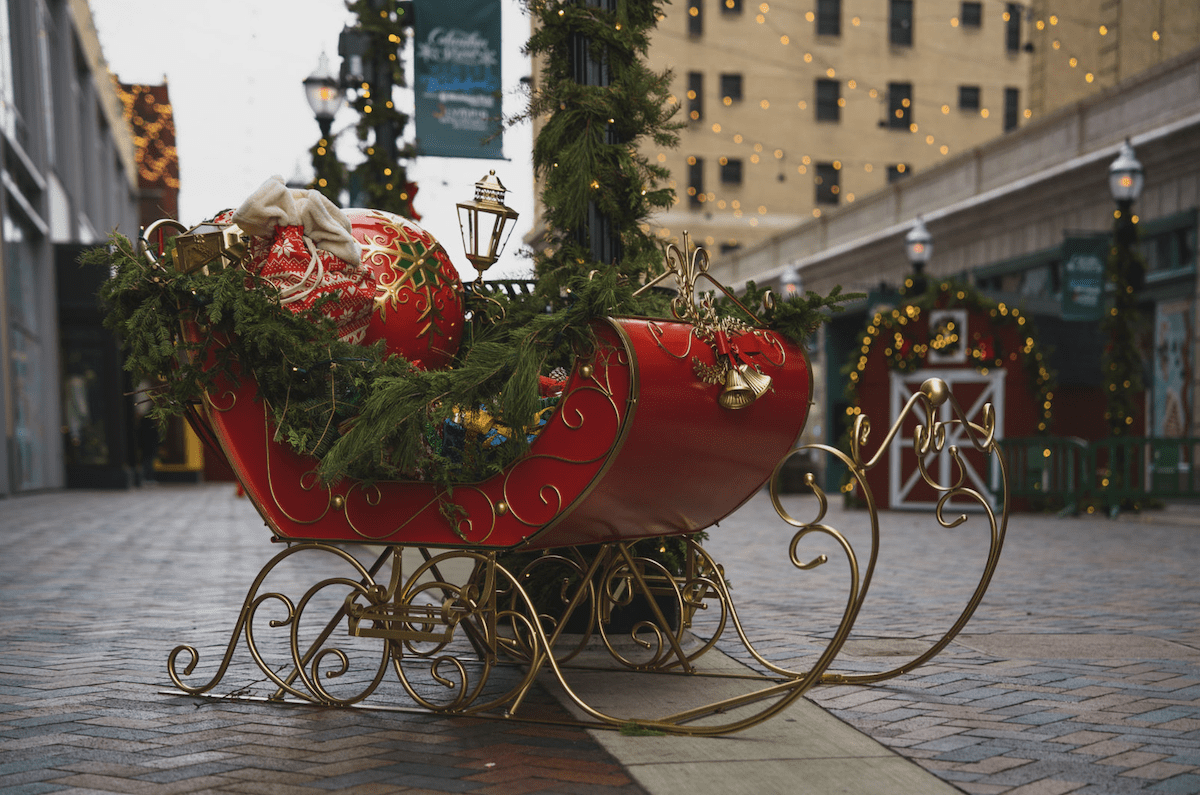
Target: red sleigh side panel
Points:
(606, 466)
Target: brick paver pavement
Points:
(97, 587)
(1080, 672)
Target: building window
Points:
(827, 183)
(1173, 248)
(900, 23)
(972, 15)
(829, 94)
(829, 17)
(1012, 99)
(1012, 27)
(731, 6)
(968, 97)
(731, 88)
(900, 114)
(695, 181)
(898, 172)
(731, 171)
(695, 95)
(695, 18)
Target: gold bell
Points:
(737, 393)
(759, 382)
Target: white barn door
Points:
(906, 488)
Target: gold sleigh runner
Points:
(469, 630)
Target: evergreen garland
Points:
(1121, 361)
(381, 178)
(367, 415)
(587, 150)
(332, 177)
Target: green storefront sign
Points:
(1083, 277)
(458, 88)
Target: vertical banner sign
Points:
(1172, 368)
(1083, 277)
(458, 88)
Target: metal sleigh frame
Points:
(467, 632)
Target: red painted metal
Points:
(637, 447)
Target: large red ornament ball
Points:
(419, 298)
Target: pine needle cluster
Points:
(587, 151)
(364, 414)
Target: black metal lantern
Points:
(484, 221)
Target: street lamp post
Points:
(1122, 360)
(325, 96)
(918, 244)
(1125, 181)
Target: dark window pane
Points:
(695, 95)
(1012, 28)
(828, 94)
(695, 181)
(1012, 99)
(898, 171)
(968, 97)
(900, 22)
(972, 15)
(829, 17)
(900, 114)
(827, 184)
(731, 86)
(695, 19)
(731, 172)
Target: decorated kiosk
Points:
(495, 484)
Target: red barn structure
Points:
(985, 351)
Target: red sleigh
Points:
(638, 447)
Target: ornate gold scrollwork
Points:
(743, 382)
(446, 625)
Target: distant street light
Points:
(918, 244)
(325, 95)
(1121, 362)
(1125, 181)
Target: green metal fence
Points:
(1109, 473)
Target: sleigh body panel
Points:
(637, 447)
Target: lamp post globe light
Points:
(325, 95)
(1125, 182)
(918, 245)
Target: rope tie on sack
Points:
(302, 289)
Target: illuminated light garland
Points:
(153, 127)
(908, 342)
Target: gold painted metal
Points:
(209, 247)
(463, 634)
(742, 383)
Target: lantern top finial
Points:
(490, 190)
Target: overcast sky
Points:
(235, 70)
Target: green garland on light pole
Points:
(381, 180)
(1122, 359)
(587, 151)
(331, 176)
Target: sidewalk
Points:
(1080, 672)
